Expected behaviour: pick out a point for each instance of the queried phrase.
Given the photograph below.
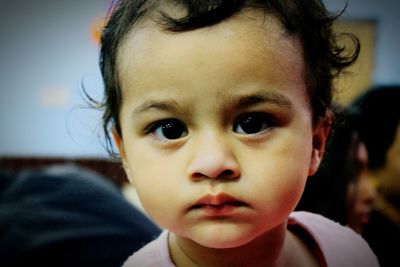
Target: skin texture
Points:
(209, 81)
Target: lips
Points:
(219, 204)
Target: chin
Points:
(221, 243)
(228, 237)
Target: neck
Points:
(265, 250)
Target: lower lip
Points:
(226, 209)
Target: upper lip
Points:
(217, 200)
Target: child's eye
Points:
(252, 123)
(168, 129)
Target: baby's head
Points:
(219, 110)
(308, 21)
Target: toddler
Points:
(220, 111)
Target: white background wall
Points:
(386, 13)
(46, 53)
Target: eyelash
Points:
(257, 123)
(155, 126)
(267, 122)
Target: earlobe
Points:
(118, 142)
(120, 146)
(320, 136)
(315, 161)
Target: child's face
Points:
(217, 133)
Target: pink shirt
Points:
(340, 246)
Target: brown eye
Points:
(252, 123)
(169, 129)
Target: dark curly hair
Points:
(307, 19)
(379, 113)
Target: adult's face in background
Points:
(388, 176)
(362, 192)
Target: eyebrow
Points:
(163, 105)
(241, 101)
(263, 97)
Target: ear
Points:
(320, 136)
(120, 146)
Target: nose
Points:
(213, 158)
(367, 191)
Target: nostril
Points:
(224, 175)
(227, 174)
(197, 175)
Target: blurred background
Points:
(49, 53)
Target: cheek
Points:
(154, 195)
(351, 195)
(157, 186)
(289, 185)
(293, 169)
(282, 177)
(277, 196)
(289, 160)
(149, 179)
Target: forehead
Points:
(235, 46)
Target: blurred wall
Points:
(47, 52)
(386, 15)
